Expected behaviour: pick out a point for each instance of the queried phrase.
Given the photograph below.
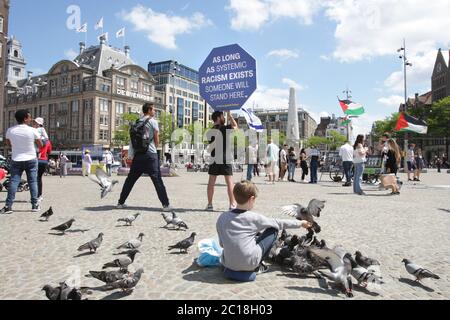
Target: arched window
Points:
(16, 53)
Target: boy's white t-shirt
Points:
(23, 139)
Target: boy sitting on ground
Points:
(243, 250)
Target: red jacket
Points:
(45, 151)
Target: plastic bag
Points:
(210, 253)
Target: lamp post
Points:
(173, 107)
(349, 96)
(406, 63)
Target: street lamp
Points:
(173, 107)
(406, 63)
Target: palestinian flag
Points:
(351, 108)
(408, 123)
(346, 121)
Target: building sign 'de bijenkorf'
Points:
(227, 78)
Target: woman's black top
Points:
(391, 162)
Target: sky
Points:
(319, 47)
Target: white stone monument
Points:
(292, 130)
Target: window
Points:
(16, 53)
(103, 105)
(105, 88)
(146, 89)
(120, 107)
(16, 72)
(134, 85)
(75, 79)
(103, 135)
(104, 120)
(1, 24)
(119, 121)
(75, 106)
(65, 80)
(121, 82)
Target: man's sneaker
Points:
(167, 209)
(121, 206)
(35, 208)
(262, 268)
(209, 208)
(6, 210)
(40, 199)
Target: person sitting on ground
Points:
(243, 250)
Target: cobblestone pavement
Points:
(414, 225)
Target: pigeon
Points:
(129, 220)
(167, 218)
(63, 292)
(362, 275)
(102, 179)
(107, 276)
(419, 272)
(133, 243)
(127, 283)
(301, 213)
(340, 268)
(47, 214)
(92, 245)
(184, 244)
(65, 226)
(365, 261)
(177, 222)
(300, 265)
(122, 263)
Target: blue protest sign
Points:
(227, 78)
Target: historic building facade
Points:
(82, 101)
(4, 19)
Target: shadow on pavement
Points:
(117, 295)
(84, 254)
(415, 284)
(329, 292)
(445, 210)
(365, 291)
(105, 209)
(208, 275)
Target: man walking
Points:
(314, 165)
(283, 162)
(411, 162)
(346, 154)
(252, 159)
(145, 157)
(87, 163)
(221, 157)
(22, 138)
(272, 154)
(108, 159)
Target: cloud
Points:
(269, 98)
(70, 54)
(284, 54)
(373, 28)
(249, 14)
(393, 101)
(162, 29)
(254, 14)
(293, 84)
(325, 57)
(419, 74)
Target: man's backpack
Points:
(140, 140)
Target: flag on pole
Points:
(99, 24)
(346, 121)
(351, 108)
(83, 28)
(120, 33)
(103, 36)
(408, 123)
(253, 121)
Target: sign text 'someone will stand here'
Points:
(227, 78)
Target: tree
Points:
(439, 120)
(122, 136)
(316, 141)
(386, 125)
(336, 140)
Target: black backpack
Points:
(138, 136)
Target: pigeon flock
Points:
(305, 255)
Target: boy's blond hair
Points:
(243, 191)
